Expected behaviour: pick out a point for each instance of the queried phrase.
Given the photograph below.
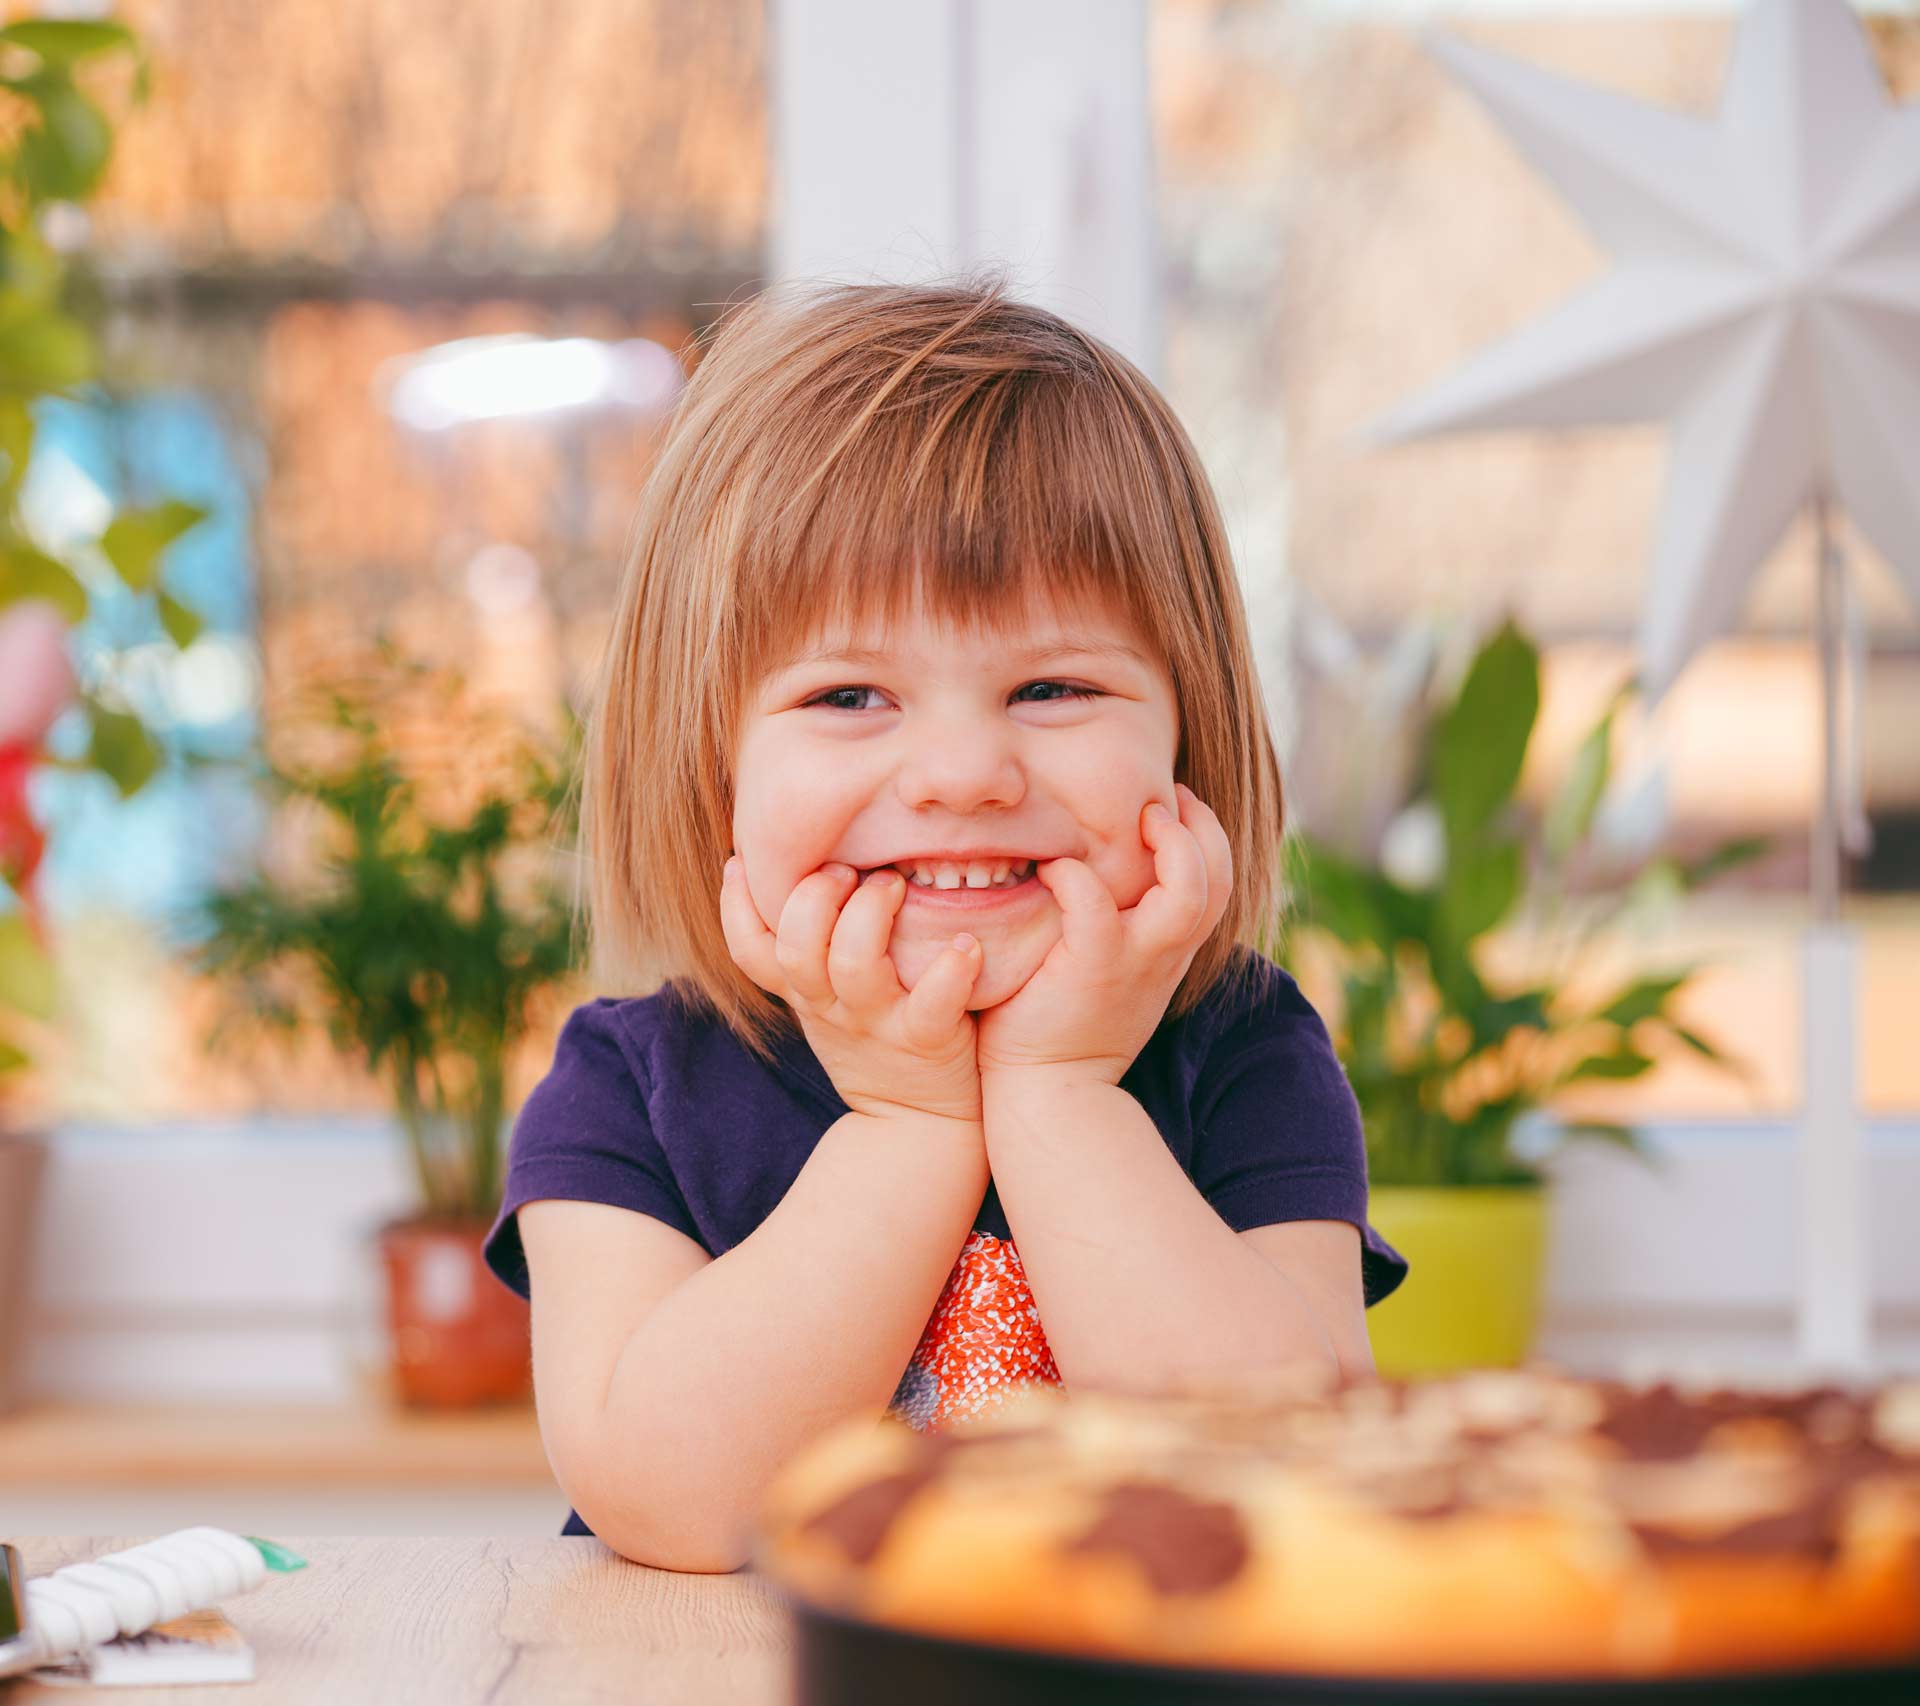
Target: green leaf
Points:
(1642, 999)
(13, 1058)
(1481, 741)
(27, 573)
(1454, 974)
(65, 156)
(1740, 1067)
(1707, 1050)
(123, 748)
(1482, 883)
(30, 273)
(1723, 858)
(27, 980)
(62, 41)
(135, 538)
(1660, 881)
(1336, 895)
(16, 445)
(183, 625)
(1570, 815)
(1697, 1043)
(44, 352)
(1495, 1016)
(1623, 1062)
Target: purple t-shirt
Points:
(652, 1104)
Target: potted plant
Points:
(57, 146)
(1445, 1057)
(422, 935)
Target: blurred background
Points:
(373, 313)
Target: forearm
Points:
(1138, 1281)
(811, 1319)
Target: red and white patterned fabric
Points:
(983, 1340)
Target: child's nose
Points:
(966, 766)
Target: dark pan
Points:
(840, 1661)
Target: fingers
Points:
(1089, 921)
(806, 928)
(831, 943)
(938, 1001)
(748, 939)
(1180, 905)
(858, 965)
(1214, 847)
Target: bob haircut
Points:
(874, 448)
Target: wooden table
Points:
(549, 1621)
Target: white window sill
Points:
(234, 1261)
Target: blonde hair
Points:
(853, 448)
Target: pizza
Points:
(1508, 1524)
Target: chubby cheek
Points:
(774, 859)
(776, 852)
(1127, 872)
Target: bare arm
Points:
(671, 1387)
(1140, 1281)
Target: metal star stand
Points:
(1836, 1259)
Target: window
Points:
(1343, 224)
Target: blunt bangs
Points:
(969, 503)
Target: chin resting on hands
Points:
(887, 1049)
(1104, 986)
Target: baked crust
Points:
(1502, 1524)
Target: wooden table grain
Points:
(496, 1621)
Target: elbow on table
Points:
(688, 1559)
(703, 1551)
(660, 1520)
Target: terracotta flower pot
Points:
(458, 1336)
(23, 1164)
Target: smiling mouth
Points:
(926, 890)
(948, 876)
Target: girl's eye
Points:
(1067, 688)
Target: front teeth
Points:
(999, 873)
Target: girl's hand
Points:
(1105, 985)
(888, 1050)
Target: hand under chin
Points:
(1005, 973)
(992, 990)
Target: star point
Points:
(1764, 300)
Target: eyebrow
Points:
(1111, 650)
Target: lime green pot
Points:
(1476, 1263)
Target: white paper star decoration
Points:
(1766, 300)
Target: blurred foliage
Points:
(1442, 1060)
(420, 942)
(59, 144)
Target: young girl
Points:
(929, 760)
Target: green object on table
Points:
(277, 1556)
(1476, 1265)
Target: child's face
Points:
(956, 742)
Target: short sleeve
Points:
(1277, 1133)
(584, 1134)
